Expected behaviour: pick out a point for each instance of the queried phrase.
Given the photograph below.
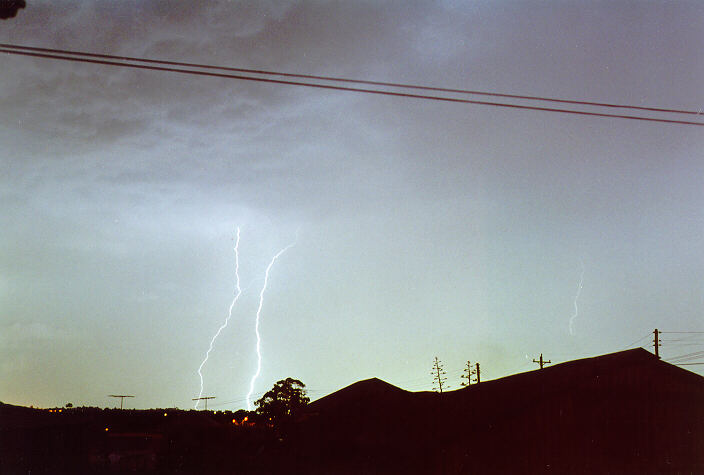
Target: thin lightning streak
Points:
(229, 315)
(576, 297)
(256, 327)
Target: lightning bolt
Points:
(229, 315)
(576, 297)
(256, 327)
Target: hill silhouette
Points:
(626, 412)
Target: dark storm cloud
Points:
(253, 138)
(242, 139)
(9, 8)
(266, 136)
(101, 101)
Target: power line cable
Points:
(689, 356)
(690, 339)
(679, 345)
(638, 340)
(343, 88)
(685, 332)
(686, 360)
(347, 80)
(686, 357)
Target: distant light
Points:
(107, 429)
(165, 414)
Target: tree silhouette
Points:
(279, 405)
(439, 378)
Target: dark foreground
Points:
(625, 412)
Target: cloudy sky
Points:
(422, 228)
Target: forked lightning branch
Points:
(238, 293)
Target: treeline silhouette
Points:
(93, 440)
(626, 412)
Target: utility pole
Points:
(121, 396)
(656, 342)
(541, 362)
(477, 371)
(467, 374)
(204, 398)
(438, 376)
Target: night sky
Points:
(422, 228)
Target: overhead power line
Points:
(117, 61)
(639, 340)
(347, 80)
(687, 357)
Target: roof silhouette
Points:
(362, 392)
(627, 412)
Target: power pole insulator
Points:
(656, 342)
